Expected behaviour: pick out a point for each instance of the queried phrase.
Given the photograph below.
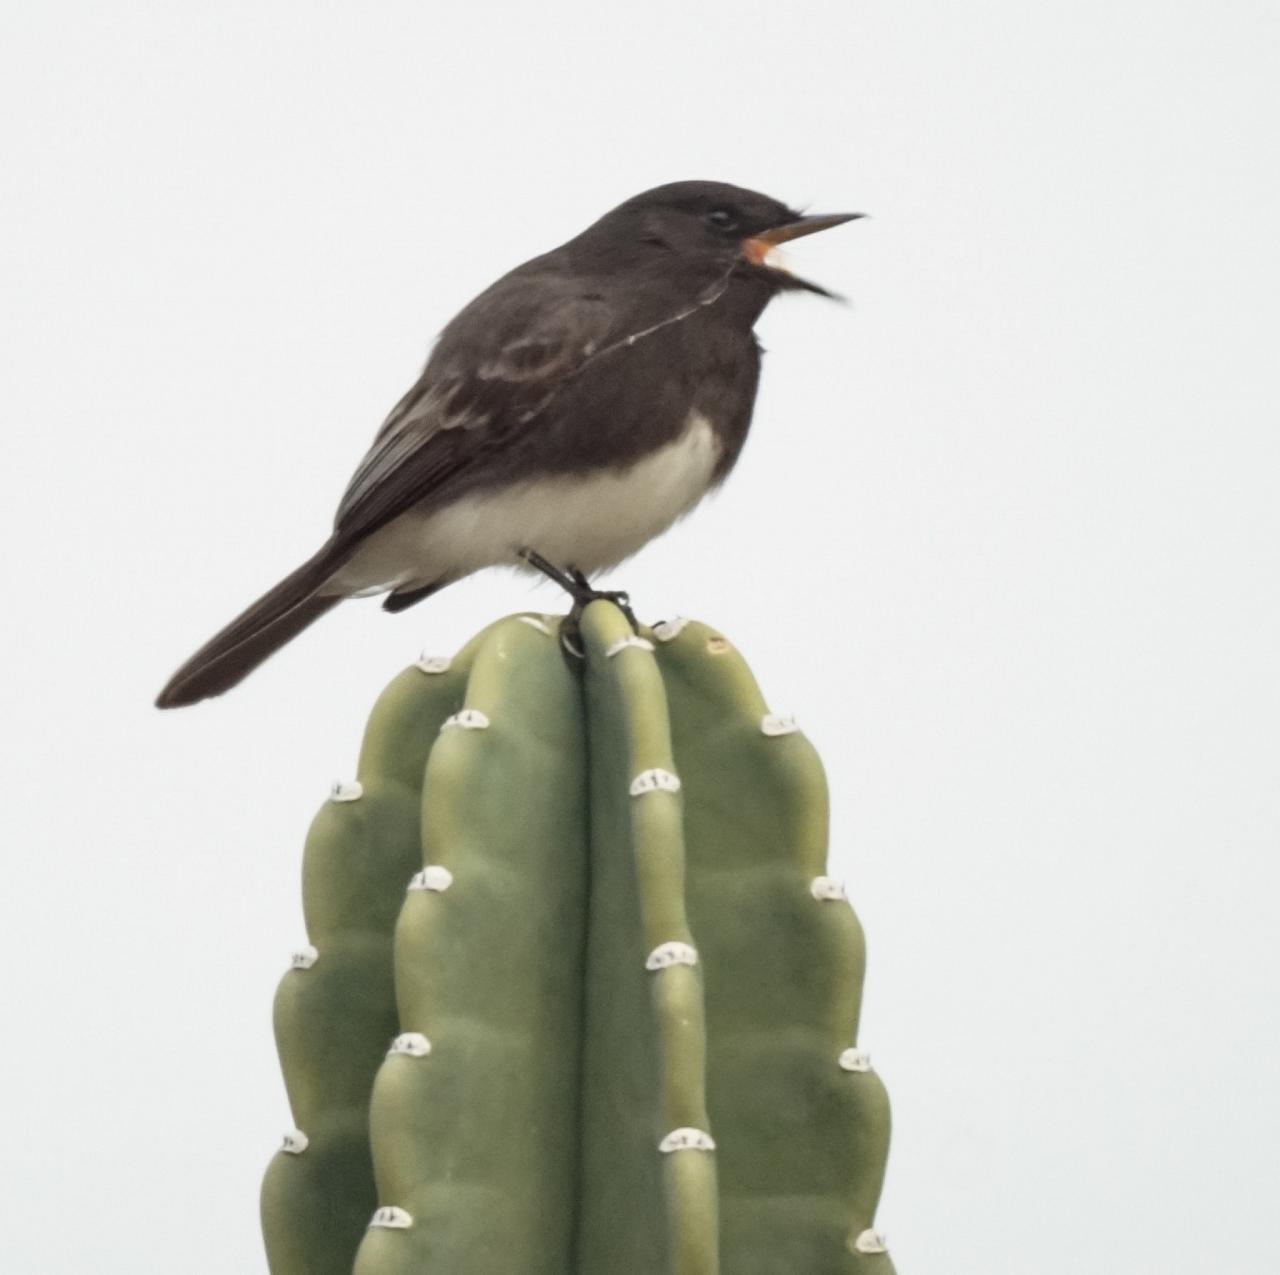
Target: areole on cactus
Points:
(610, 1026)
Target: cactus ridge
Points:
(478, 1141)
(612, 1024)
(335, 1017)
(803, 1140)
(640, 1211)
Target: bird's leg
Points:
(580, 589)
(563, 578)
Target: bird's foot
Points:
(580, 589)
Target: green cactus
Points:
(623, 999)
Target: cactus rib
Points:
(645, 1073)
(476, 1143)
(803, 1139)
(335, 1010)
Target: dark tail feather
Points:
(274, 619)
(403, 599)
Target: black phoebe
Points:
(573, 411)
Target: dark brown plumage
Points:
(576, 407)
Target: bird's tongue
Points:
(760, 252)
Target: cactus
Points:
(611, 1025)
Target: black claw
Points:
(579, 588)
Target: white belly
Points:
(589, 521)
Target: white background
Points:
(1005, 537)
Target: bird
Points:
(566, 416)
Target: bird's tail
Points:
(274, 619)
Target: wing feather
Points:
(475, 394)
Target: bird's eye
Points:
(723, 218)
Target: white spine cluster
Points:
(467, 719)
(668, 630)
(632, 641)
(433, 877)
(773, 724)
(827, 889)
(687, 1140)
(656, 780)
(871, 1241)
(392, 1217)
(303, 958)
(414, 1044)
(668, 954)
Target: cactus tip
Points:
(535, 622)
(346, 790)
(432, 663)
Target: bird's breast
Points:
(587, 519)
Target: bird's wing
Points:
(480, 389)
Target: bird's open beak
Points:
(758, 246)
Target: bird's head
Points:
(714, 222)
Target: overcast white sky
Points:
(1005, 538)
